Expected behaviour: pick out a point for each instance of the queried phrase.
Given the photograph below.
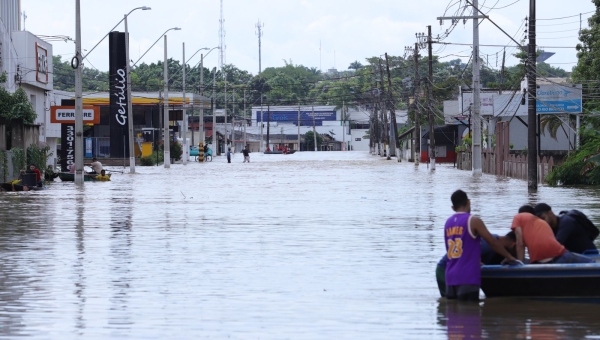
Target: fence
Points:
(499, 161)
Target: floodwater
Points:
(328, 245)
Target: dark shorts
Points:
(440, 277)
(463, 293)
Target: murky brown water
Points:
(305, 246)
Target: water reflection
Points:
(311, 245)
(520, 319)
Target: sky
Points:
(315, 33)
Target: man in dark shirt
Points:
(568, 231)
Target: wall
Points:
(8, 54)
(518, 137)
(363, 143)
(23, 135)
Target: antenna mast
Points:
(259, 33)
(222, 38)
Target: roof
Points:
(143, 98)
(406, 133)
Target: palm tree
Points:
(355, 65)
(552, 123)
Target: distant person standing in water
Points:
(246, 153)
(463, 233)
(228, 155)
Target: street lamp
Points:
(143, 8)
(129, 101)
(78, 91)
(166, 119)
(167, 142)
(185, 127)
(148, 50)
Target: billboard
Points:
(119, 132)
(306, 117)
(41, 64)
(556, 98)
(550, 99)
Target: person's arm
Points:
(479, 228)
(520, 244)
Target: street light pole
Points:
(214, 126)
(166, 138)
(129, 102)
(78, 99)
(201, 118)
(185, 146)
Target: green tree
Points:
(309, 140)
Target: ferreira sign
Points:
(66, 114)
(119, 136)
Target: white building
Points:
(27, 61)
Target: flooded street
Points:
(328, 245)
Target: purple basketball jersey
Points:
(463, 251)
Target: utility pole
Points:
(201, 114)
(429, 98)
(129, 101)
(186, 148)
(531, 109)
(262, 120)
(375, 128)
(476, 107)
(314, 128)
(166, 138)
(298, 126)
(225, 111)
(268, 123)
(344, 113)
(214, 115)
(476, 140)
(417, 131)
(502, 71)
(394, 129)
(259, 33)
(245, 122)
(233, 120)
(78, 99)
(385, 132)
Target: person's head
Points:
(50, 167)
(460, 201)
(94, 159)
(526, 209)
(509, 241)
(544, 211)
(31, 167)
(103, 172)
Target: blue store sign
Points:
(306, 117)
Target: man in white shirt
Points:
(96, 166)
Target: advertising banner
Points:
(558, 98)
(119, 135)
(306, 117)
(67, 146)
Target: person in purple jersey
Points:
(462, 234)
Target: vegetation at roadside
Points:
(582, 166)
